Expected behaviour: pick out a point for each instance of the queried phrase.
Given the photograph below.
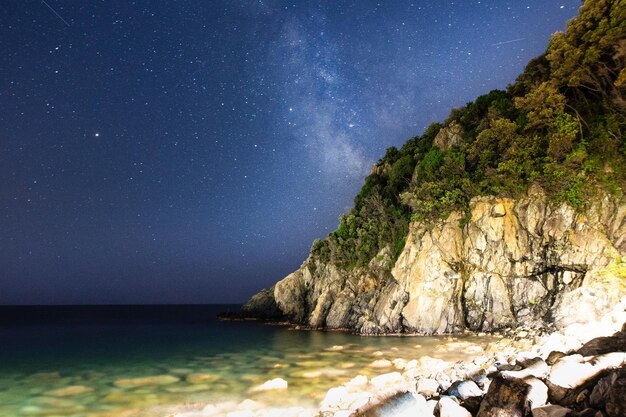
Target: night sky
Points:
(190, 151)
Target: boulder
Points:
(538, 392)
(392, 379)
(602, 345)
(575, 371)
(551, 411)
(464, 389)
(448, 407)
(508, 397)
(472, 404)
(554, 356)
(357, 381)
(610, 394)
(536, 367)
(587, 412)
(404, 404)
(427, 386)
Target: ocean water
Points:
(141, 360)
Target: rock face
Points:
(513, 262)
(449, 136)
(263, 301)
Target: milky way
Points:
(190, 151)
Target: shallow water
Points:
(77, 362)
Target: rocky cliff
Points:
(513, 262)
(436, 243)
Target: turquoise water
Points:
(132, 361)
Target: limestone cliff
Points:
(435, 243)
(515, 261)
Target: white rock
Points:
(405, 405)
(381, 363)
(450, 408)
(412, 364)
(339, 398)
(361, 400)
(249, 404)
(538, 394)
(336, 399)
(431, 366)
(557, 342)
(399, 363)
(357, 381)
(536, 367)
(272, 384)
(287, 412)
(431, 405)
(572, 371)
(466, 389)
(386, 380)
(242, 413)
(209, 410)
(427, 386)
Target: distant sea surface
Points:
(97, 361)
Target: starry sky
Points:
(190, 151)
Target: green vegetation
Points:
(561, 125)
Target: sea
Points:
(101, 361)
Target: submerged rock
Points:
(200, 378)
(381, 363)
(148, 380)
(273, 384)
(69, 391)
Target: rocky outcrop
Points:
(262, 302)
(449, 136)
(512, 262)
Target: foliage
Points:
(561, 124)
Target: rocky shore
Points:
(512, 262)
(579, 370)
